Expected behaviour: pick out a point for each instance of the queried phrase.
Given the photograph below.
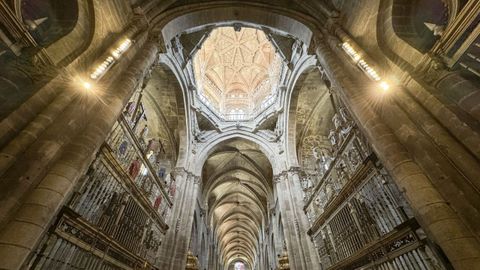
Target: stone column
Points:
(301, 252)
(446, 145)
(34, 136)
(173, 251)
(19, 236)
(450, 87)
(433, 212)
(460, 94)
(440, 94)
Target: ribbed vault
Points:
(237, 69)
(236, 186)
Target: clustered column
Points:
(173, 252)
(302, 254)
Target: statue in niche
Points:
(306, 183)
(342, 127)
(168, 178)
(130, 108)
(341, 171)
(309, 216)
(332, 136)
(347, 122)
(160, 153)
(173, 188)
(354, 157)
(305, 197)
(323, 160)
(318, 201)
(337, 121)
(329, 190)
(158, 202)
(345, 115)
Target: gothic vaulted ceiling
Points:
(163, 103)
(313, 117)
(236, 68)
(237, 182)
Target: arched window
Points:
(239, 266)
(419, 23)
(49, 20)
(236, 114)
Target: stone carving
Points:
(354, 157)
(306, 183)
(332, 136)
(323, 160)
(337, 121)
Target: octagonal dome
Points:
(237, 71)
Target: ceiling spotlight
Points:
(384, 86)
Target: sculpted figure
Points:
(323, 159)
(337, 121)
(332, 136)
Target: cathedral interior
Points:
(240, 134)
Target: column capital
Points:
(181, 171)
(196, 179)
(431, 68)
(277, 178)
(294, 169)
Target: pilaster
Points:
(174, 249)
(302, 254)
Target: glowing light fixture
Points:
(384, 86)
(104, 66)
(351, 52)
(87, 85)
(84, 84)
(122, 48)
(364, 66)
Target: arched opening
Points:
(420, 23)
(162, 100)
(240, 266)
(310, 115)
(236, 186)
(49, 20)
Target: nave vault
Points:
(240, 135)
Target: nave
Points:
(239, 135)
